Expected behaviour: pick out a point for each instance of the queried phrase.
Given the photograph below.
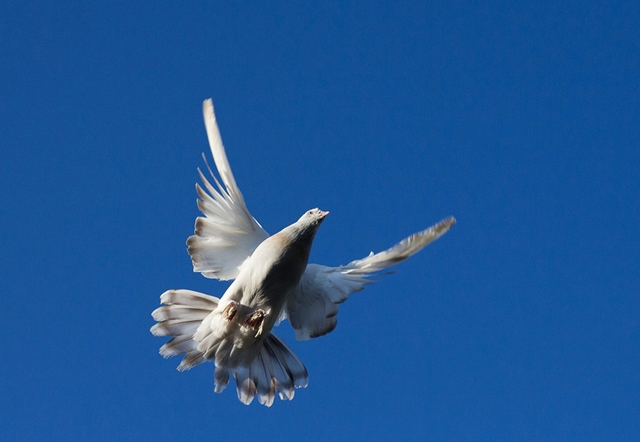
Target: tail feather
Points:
(222, 352)
(294, 366)
(190, 360)
(275, 369)
(189, 298)
(177, 311)
(282, 376)
(178, 345)
(263, 369)
(221, 379)
(245, 386)
(175, 327)
(262, 375)
(182, 314)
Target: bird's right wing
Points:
(313, 308)
(228, 234)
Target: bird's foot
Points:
(230, 310)
(255, 320)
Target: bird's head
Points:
(313, 217)
(304, 230)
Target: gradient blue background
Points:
(521, 119)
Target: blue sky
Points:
(518, 118)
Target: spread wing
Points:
(227, 234)
(314, 308)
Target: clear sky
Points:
(521, 119)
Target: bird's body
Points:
(274, 269)
(272, 281)
(254, 302)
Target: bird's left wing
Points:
(313, 309)
(228, 234)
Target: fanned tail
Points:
(182, 314)
(275, 369)
(263, 369)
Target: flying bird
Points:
(272, 281)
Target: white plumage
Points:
(272, 281)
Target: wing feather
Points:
(313, 309)
(227, 234)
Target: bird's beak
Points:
(324, 214)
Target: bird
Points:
(272, 281)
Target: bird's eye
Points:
(309, 212)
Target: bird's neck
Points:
(300, 241)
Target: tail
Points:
(275, 367)
(182, 314)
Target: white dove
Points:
(273, 281)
